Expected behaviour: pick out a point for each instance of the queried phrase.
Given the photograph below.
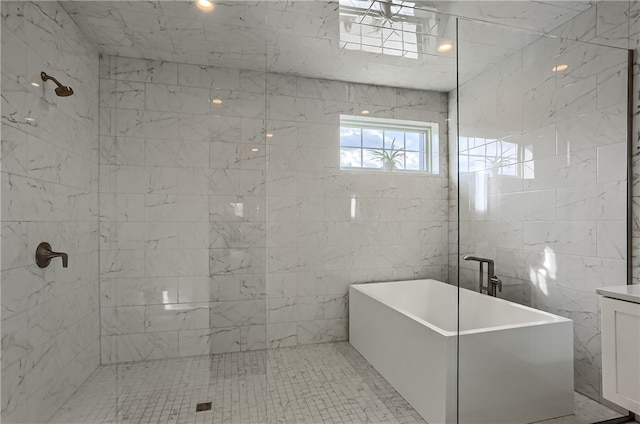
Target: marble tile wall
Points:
(542, 173)
(50, 324)
(174, 169)
(229, 226)
(328, 228)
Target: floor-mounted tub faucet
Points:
(493, 283)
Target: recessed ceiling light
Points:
(216, 101)
(445, 46)
(35, 84)
(365, 112)
(269, 135)
(204, 5)
(255, 149)
(559, 68)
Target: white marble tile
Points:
(208, 76)
(609, 159)
(224, 288)
(121, 264)
(154, 124)
(578, 133)
(252, 81)
(321, 331)
(612, 239)
(322, 89)
(206, 342)
(335, 307)
(282, 335)
(26, 199)
(572, 237)
(122, 94)
(368, 94)
(169, 153)
(253, 286)
(14, 393)
(611, 86)
(171, 317)
(233, 260)
(125, 68)
(193, 235)
(182, 99)
(139, 291)
(121, 151)
(561, 171)
(122, 320)
(14, 150)
(15, 245)
(209, 128)
(585, 273)
(253, 337)
(193, 289)
(242, 312)
(281, 84)
(139, 347)
(592, 202)
(159, 207)
(15, 345)
(587, 345)
(580, 306)
(586, 379)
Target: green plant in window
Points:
(390, 158)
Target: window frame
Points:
(429, 129)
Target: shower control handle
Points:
(44, 254)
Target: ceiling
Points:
(375, 42)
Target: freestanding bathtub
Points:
(516, 363)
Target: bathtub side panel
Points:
(410, 356)
(519, 375)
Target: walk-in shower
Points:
(224, 172)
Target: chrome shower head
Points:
(61, 90)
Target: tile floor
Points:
(322, 383)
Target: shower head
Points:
(61, 90)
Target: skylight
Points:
(386, 27)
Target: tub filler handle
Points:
(493, 282)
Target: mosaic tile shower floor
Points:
(322, 383)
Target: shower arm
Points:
(61, 90)
(46, 77)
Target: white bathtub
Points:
(516, 363)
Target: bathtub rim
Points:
(551, 318)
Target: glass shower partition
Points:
(182, 224)
(541, 196)
(335, 215)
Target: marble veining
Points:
(50, 324)
(256, 232)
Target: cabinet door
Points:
(621, 353)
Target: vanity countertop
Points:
(629, 293)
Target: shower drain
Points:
(206, 406)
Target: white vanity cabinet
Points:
(620, 326)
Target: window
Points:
(388, 144)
